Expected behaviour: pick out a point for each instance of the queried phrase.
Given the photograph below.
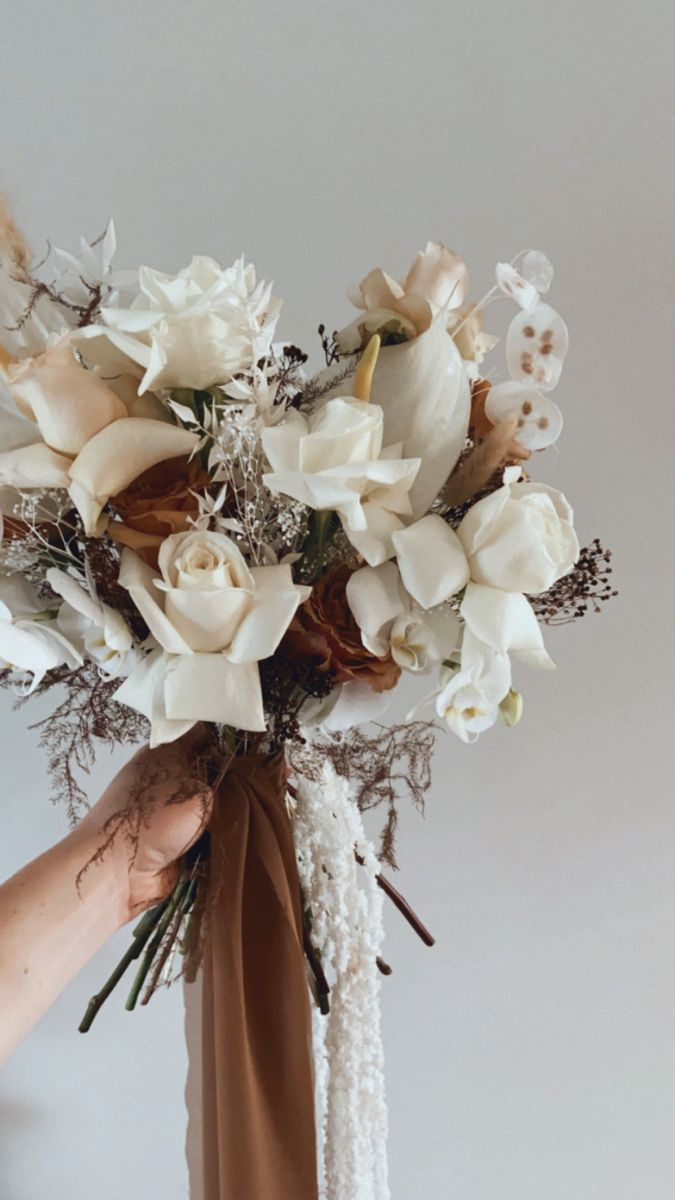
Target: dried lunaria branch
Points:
(476, 470)
(14, 253)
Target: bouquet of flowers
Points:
(197, 530)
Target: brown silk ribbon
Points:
(258, 1092)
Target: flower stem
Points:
(141, 934)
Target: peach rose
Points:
(157, 504)
(325, 630)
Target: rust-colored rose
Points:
(324, 630)
(160, 502)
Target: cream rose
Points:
(194, 329)
(213, 619)
(520, 538)
(335, 462)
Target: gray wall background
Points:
(532, 1053)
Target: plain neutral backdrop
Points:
(531, 1054)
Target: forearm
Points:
(55, 916)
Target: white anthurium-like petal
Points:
(139, 580)
(431, 560)
(512, 283)
(34, 466)
(536, 344)
(374, 542)
(118, 455)
(275, 602)
(207, 621)
(539, 419)
(143, 691)
(208, 687)
(505, 621)
(374, 597)
(423, 390)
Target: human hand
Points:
(154, 810)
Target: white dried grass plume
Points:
(347, 931)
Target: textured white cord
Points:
(347, 931)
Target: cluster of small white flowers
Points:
(347, 931)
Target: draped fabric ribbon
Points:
(258, 1091)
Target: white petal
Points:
(123, 451)
(431, 560)
(143, 691)
(375, 541)
(207, 687)
(275, 601)
(139, 580)
(424, 393)
(506, 622)
(75, 594)
(374, 597)
(34, 466)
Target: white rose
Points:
(520, 538)
(334, 462)
(214, 619)
(197, 328)
(97, 630)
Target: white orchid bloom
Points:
(30, 643)
(470, 699)
(334, 461)
(388, 622)
(98, 631)
(194, 329)
(213, 620)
